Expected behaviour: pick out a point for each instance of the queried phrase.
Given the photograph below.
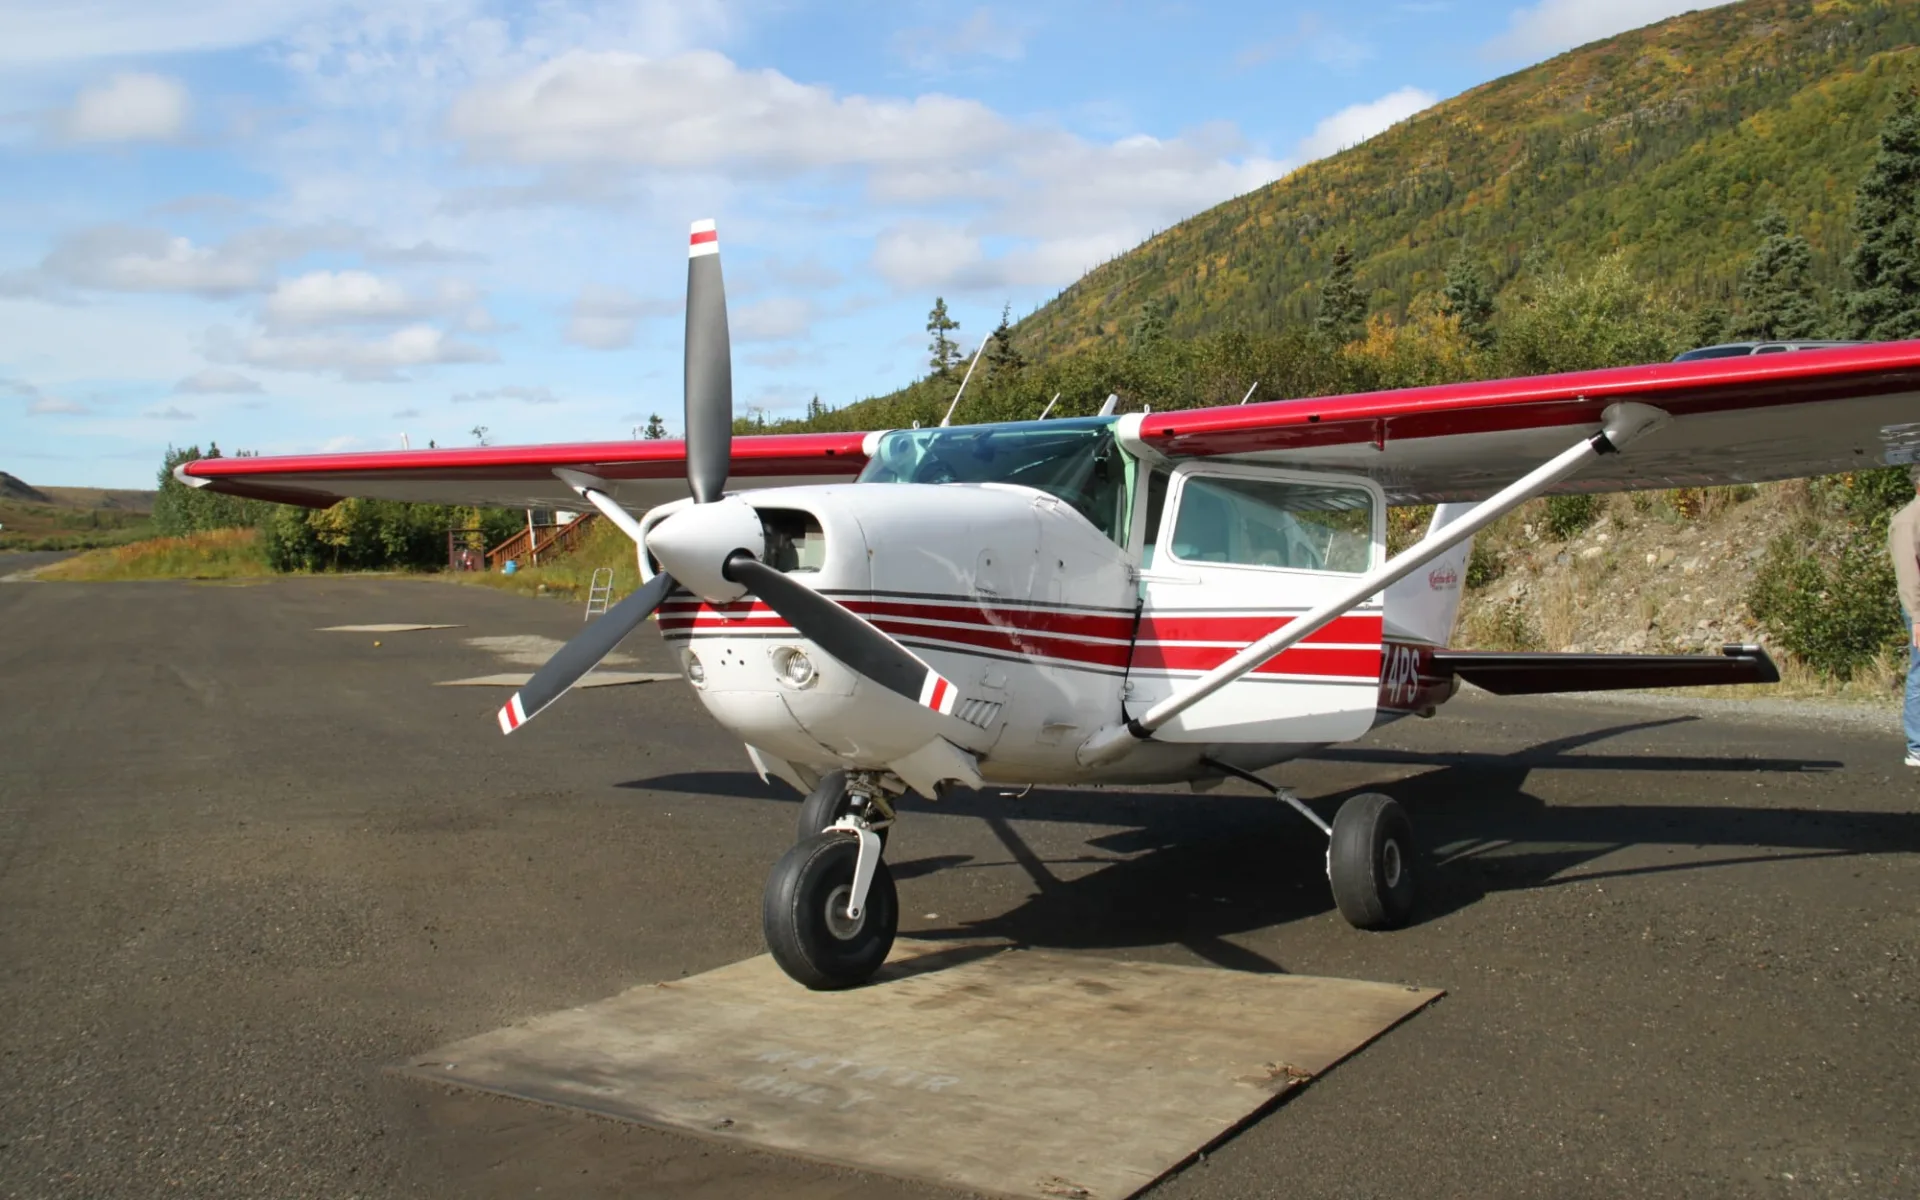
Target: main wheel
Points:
(804, 914)
(1370, 862)
(825, 804)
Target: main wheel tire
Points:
(804, 914)
(1370, 862)
(825, 804)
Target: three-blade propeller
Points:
(715, 543)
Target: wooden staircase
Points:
(542, 543)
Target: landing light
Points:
(793, 666)
(696, 673)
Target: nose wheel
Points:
(830, 911)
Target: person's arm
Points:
(1904, 548)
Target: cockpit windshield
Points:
(1073, 458)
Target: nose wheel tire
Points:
(804, 914)
(1370, 862)
(827, 803)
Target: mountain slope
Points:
(1667, 142)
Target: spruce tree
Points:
(1884, 304)
(1776, 287)
(1708, 327)
(1468, 298)
(943, 353)
(1342, 307)
(1003, 359)
(1149, 328)
(656, 428)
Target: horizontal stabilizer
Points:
(1530, 674)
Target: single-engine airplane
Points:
(1180, 596)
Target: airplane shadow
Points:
(1196, 870)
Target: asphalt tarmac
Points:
(244, 866)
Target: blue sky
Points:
(317, 225)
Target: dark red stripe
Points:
(1301, 660)
(705, 235)
(1197, 627)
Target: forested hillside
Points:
(1666, 143)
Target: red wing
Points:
(1736, 420)
(642, 474)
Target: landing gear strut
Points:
(1369, 854)
(830, 911)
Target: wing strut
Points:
(1621, 424)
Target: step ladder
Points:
(599, 593)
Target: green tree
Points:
(1884, 304)
(1605, 317)
(1776, 286)
(1708, 326)
(1004, 360)
(179, 509)
(815, 409)
(1468, 298)
(1342, 308)
(1149, 328)
(943, 353)
(479, 433)
(656, 428)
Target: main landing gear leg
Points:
(830, 911)
(1369, 853)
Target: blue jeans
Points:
(1913, 692)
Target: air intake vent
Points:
(978, 712)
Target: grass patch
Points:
(570, 577)
(215, 554)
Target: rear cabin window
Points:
(1274, 523)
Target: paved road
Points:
(21, 560)
(244, 864)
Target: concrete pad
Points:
(1018, 1072)
(591, 680)
(532, 650)
(381, 628)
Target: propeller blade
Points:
(709, 368)
(844, 634)
(583, 653)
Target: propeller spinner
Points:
(711, 547)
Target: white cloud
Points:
(699, 111)
(981, 35)
(169, 413)
(133, 107)
(359, 359)
(217, 381)
(1550, 26)
(332, 298)
(120, 258)
(1358, 122)
(605, 318)
(923, 254)
(75, 30)
(771, 320)
(525, 395)
(39, 404)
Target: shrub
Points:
(1484, 565)
(1568, 515)
(1828, 596)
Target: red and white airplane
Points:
(1188, 595)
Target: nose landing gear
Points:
(830, 911)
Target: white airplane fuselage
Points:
(1048, 627)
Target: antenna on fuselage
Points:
(1049, 407)
(1113, 402)
(963, 384)
(1249, 395)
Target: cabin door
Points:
(1237, 552)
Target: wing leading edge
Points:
(640, 474)
(1735, 420)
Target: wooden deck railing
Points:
(548, 542)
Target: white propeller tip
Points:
(705, 239)
(512, 715)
